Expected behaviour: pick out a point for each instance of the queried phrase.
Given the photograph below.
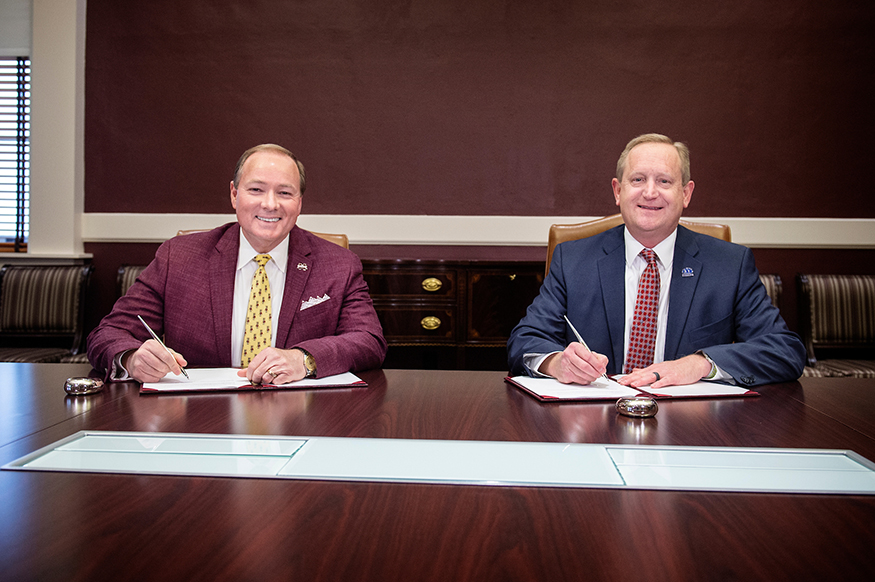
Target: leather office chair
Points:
(560, 233)
(338, 239)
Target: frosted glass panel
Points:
(744, 470)
(160, 463)
(454, 462)
(459, 462)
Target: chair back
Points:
(774, 288)
(837, 312)
(338, 239)
(560, 233)
(43, 306)
(127, 274)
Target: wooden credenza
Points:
(446, 308)
(450, 314)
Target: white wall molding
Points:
(393, 229)
(57, 105)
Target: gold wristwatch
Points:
(309, 363)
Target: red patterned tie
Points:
(642, 336)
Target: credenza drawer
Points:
(411, 284)
(403, 324)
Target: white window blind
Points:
(14, 150)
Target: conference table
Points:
(95, 526)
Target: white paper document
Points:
(552, 389)
(700, 389)
(607, 389)
(207, 379)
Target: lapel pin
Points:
(302, 266)
(687, 272)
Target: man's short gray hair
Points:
(682, 149)
(268, 147)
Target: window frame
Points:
(15, 139)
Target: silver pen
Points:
(158, 339)
(580, 339)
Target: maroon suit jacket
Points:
(186, 295)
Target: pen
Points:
(158, 339)
(580, 339)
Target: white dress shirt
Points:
(635, 265)
(276, 276)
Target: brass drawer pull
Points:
(430, 322)
(431, 284)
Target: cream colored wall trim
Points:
(478, 230)
(57, 182)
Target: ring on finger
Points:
(272, 373)
(657, 376)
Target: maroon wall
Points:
(483, 107)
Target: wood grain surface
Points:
(66, 526)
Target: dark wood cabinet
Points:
(497, 298)
(450, 314)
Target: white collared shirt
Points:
(635, 265)
(276, 276)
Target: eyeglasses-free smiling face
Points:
(268, 199)
(652, 195)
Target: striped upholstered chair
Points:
(774, 288)
(42, 312)
(127, 274)
(837, 321)
(125, 277)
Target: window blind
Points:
(14, 152)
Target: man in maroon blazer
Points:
(196, 290)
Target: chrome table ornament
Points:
(83, 386)
(639, 407)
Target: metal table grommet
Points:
(639, 407)
(83, 386)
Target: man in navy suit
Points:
(196, 291)
(715, 320)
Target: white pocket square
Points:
(313, 301)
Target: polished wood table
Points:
(74, 526)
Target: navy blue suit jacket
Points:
(720, 307)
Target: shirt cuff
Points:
(118, 372)
(533, 361)
(716, 374)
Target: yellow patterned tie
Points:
(257, 336)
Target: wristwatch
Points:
(713, 371)
(309, 363)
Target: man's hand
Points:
(686, 370)
(275, 366)
(575, 364)
(151, 362)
